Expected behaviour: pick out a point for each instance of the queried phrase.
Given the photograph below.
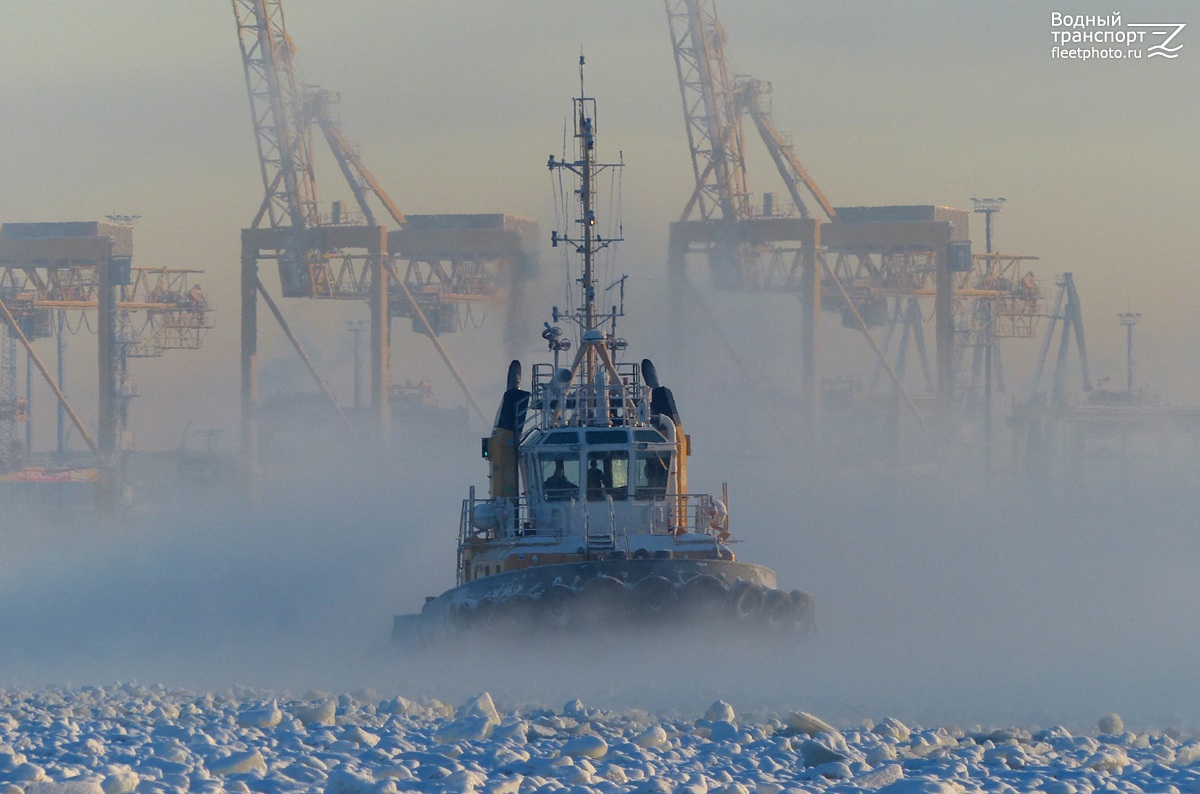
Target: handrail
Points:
(697, 518)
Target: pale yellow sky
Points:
(139, 106)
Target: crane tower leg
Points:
(106, 431)
(944, 318)
(810, 314)
(380, 376)
(249, 419)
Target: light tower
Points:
(1129, 320)
(988, 207)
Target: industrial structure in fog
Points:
(871, 264)
(892, 273)
(49, 271)
(1108, 433)
(425, 268)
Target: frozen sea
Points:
(129, 738)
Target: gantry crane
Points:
(426, 268)
(856, 261)
(50, 269)
(719, 219)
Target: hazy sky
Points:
(140, 107)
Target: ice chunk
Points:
(654, 736)
(121, 782)
(878, 778)
(238, 763)
(470, 728)
(881, 753)
(815, 753)
(922, 785)
(836, 770)
(1187, 754)
(267, 717)
(892, 727)
(356, 735)
(164, 712)
(481, 706)
(1110, 759)
(1112, 723)
(719, 711)
(803, 722)
(399, 705)
(317, 714)
(510, 785)
(27, 773)
(512, 732)
(722, 731)
(67, 787)
(348, 781)
(588, 746)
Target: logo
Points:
(1170, 30)
(1141, 40)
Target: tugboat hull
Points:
(610, 592)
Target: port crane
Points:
(420, 267)
(719, 220)
(873, 265)
(50, 272)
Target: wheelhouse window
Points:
(608, 436)
(608, 474)
(650, 474)
(560, 476)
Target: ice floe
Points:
(129, 739)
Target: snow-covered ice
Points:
(127, 739)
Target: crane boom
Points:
(710, 110)
(284, 141)
(793, 173)
(360, 179)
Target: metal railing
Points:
(695, 513)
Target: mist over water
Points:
(940, 599)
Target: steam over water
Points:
(938, 599)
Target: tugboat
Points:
(589, 519)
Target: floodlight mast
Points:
(1129, 320)
(988, 207)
